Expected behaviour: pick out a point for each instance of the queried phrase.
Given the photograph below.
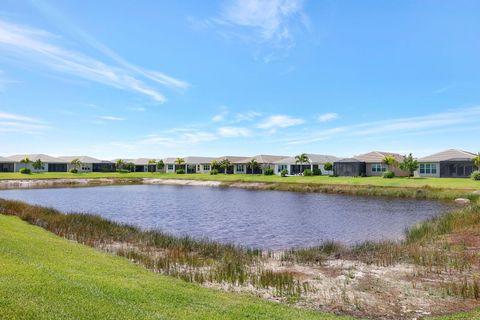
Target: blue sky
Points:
(238, 77)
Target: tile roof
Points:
(313, 158)
(265, 158)
(449, 154)
(35, 157)
(83, 159)
(377, 156)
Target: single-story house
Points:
(143, 165)
(450, 163)
(198, 164)
(89, 164)
(315, 161)
(171, 165)
(6, 165)
(239, 164)
(350, 167)
(264, 161)
(376, 167)
(49, 164)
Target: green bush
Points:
(316, 172)
(123, 171)
(268, 172)
(475, 175)
(307, 173)
(388, 174)
(214, 172)
(74, 170)
(328, 166)
(25, 171)
(180, 171)
(284, 172)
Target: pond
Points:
(261, 219)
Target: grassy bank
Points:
(43, 276)
(442, 183)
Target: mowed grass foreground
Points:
(43, 276)
(446, 183)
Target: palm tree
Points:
(179, 161)
(301, 159)
(390, 161)
(476, 160)
(151, 162)
(76, 163)
(120, 164)
(25, 161)
(252, 164)
(225, 163)
(160, 165)
(214, 165)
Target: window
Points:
(170, 167)
(206, 167)
(240, 168)
(281, 167)
(428, 168)
(378, 167)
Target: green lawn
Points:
(43, 276)
(375, 181)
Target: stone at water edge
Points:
(477, 192)
(462, 201)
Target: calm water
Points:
(262, 219)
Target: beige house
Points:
(374, 165)
(264, 161)
(50, 164)
(451, 163)
(239, 164)
(89, 164)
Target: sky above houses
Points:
(238, 77)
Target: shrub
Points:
(74, 170)
(316, 172)
(180, 171)
(268, 172)
(213, 171)
(25, 171)
(284, 172)
(308, 172)
(388, 174)
(328, 166)
(123, 171)
(475, 175)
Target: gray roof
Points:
(169, 160)
(448, 155)
(349, 160)
(2, 159)
(265, 158)
(141, 161)
(83, 159)
(198, 160)
(312, 158)
(34, 157)
(378, 156)
(234, 159)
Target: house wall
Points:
(19, 166)
(7, 167)
(397, 171)
(85, 167)
(417, 173)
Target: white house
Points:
(49, 164)
(89, 164)
(7, 165)
(452, 163)
(315, 161)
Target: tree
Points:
(38, 165)
(76, 163)
(214, 165)
(25, 161)
(160, 165)
(225, 163)
(328, 166)
(253, 164)
(390, 161)
(409, 164)
(179, 161)
(151, 162)
(130, 166)
(302, 158)
(120, 164)
(476, 160)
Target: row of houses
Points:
(448, 163)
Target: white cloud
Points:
(37, 46)
(218, 118)
(280, 121)
(247, 116)
(270, 20)
(233, 132)
(327, 117)
(110, 118)
(440, 121)
(183, 137)
(10, 122)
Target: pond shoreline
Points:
(425, 192)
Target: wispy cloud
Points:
(39, 47)
(170, 140)
(270, 21)
(10, 122)
(327, 117)
(280, 121)
(234, 132)
(110, 118)
(440, 121)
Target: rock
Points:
(477, 192)
(462, 201)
